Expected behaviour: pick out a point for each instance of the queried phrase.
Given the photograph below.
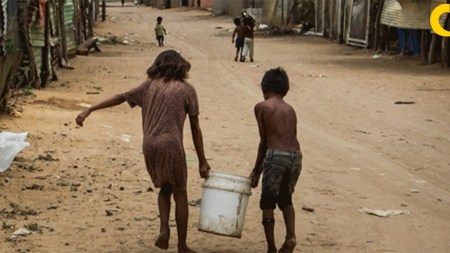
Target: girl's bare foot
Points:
(288, 246)
(186, 249)
(272, 250)
(163, 240)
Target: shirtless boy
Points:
(279, 158)
(238, 33)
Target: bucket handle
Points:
(206, 185)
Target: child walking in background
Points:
(249, 26)
(160, 31)
(165, 99)
(279, 158)
(239, 34)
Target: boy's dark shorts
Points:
(159, 37)
(239, 42)
(281, 171)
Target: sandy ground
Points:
(361, 149)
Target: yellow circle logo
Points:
(434, 20)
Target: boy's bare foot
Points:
(186, 250)
(288, 246)
(235, 58)
(163, 240)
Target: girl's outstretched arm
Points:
(109, 102)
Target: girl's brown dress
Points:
(165, 106)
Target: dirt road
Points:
(361, 148)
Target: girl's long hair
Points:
(169, 65)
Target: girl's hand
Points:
(82, 116)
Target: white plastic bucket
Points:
(224, 203)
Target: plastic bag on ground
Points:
(10, 145)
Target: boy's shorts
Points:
(281, 171)
(159, 37)
(239, 42)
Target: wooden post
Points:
(46, 55)
(91, 20)
(83, 23)
(291, 15)
(388, 38)
(103, 10)
(445, 51)
(424, 46)
(1, 37)
(23, 28)
(62, 34)
(377, 26)
(432, 52)
(445, 43)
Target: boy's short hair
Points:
(276, 81)
(237, 21)
(159, 19)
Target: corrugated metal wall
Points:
(329, 18)
(11, 47)
(276, 11)
(230, 7)
(157, 3)
(175, 3)
(406, 14)
(358, 31)
(3, 21)
(36, 34)
(337, 19)
(434, 4)
(2, 25)
(2, 52)
(71, 42)
(12, 22)
(32, 49)
(165, 3)
(54, 38)
(343, 20)
(207, 3)
(319, 17)
(179, 3)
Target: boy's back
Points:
(239, 31)
(278, 123)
